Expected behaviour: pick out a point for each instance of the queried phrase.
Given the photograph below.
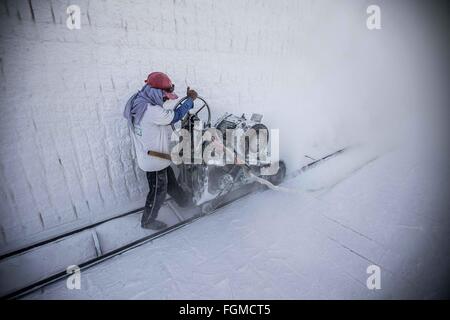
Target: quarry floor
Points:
(359, 209)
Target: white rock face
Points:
(311, 67)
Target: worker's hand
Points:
(191, 93)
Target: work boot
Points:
(154, 225)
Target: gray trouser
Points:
(160, 183)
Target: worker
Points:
(150, 124)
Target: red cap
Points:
(160, 80)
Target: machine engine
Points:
(212, 185)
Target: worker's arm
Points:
(182, 110)
(163, 117)
(185, 106)
(160, 116)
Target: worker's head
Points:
(161, 81)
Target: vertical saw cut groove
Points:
(89, 18)
(63, 171)
(98, 248)
(5, 2)
(75, 210)
(2, 69)
(52, 12)
(41, 219)
(32, 11)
